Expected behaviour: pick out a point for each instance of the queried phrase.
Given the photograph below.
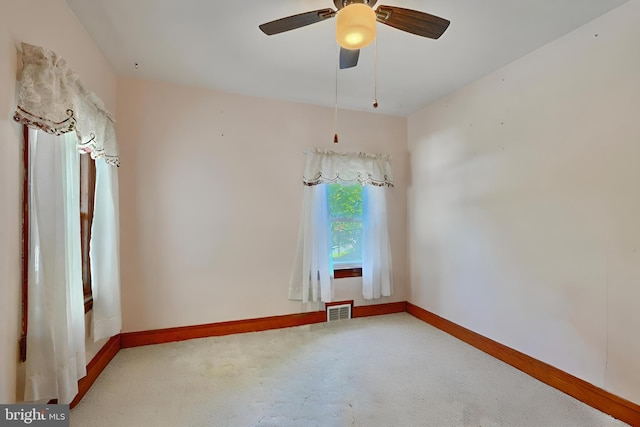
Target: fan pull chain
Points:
(375, 73)
(335, 113)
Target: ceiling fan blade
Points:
(412, 21)
(296, 21)
(348, 58)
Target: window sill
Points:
(347, 272)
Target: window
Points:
(87, 193)
(343, 231)
(345, 216)
(71, 118)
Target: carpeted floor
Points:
(390, 370)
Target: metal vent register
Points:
(338, 312)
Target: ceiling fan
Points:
(356, 24)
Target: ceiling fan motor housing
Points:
(343, 3)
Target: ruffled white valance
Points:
(52, 98)
(345, 168)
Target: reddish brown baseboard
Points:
(379, 309)
(593, 396)
(159, 336)
(96, 366)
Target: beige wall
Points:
(524, 204)
(211, 196)
(47, 23)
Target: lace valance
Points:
(347, 168)
(53, 99)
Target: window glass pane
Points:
(345, 214)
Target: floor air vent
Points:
(338, 312)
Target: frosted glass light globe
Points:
(355, 26)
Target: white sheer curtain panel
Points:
(312, 275)
(376, 251)
(56, 339)
(104, 250)
(313, 271)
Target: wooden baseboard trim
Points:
(379, 309)
(96, 366)
(159, 336)
(593, 396)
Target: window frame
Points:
(347, 269)
(344, 272)
(25, 244)
(87, 199)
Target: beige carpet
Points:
(379, 371)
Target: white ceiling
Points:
(217, 44)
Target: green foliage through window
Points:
(345, 214)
